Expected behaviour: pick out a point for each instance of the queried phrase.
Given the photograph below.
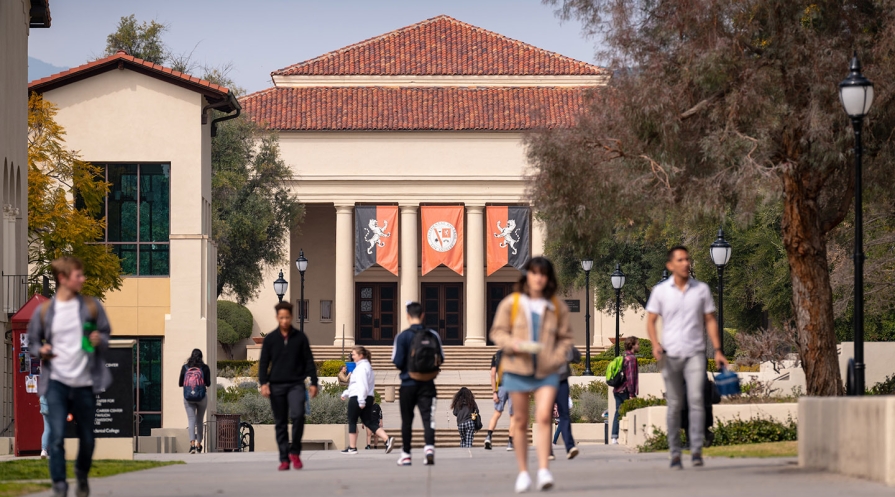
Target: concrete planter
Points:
(265, 436)
(588, 432)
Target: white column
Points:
(475, 276)
(538, 237)
(344, 311)
(410, 272)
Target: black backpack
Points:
(424, 360)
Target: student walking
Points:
(286, 362)
(686, 307)
(464, 408)
(564, 406)
(419, 393)
(628, 389)
(360, 395)
(501, 400)
(531, 326)
(344, 376)
(195, 377)
(70, 333)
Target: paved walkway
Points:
(600, 470)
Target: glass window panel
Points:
(386, 292)
(148, 422)
(432, 320)
(453, 319)
(452, 292)
(122, 218)
(154, 259)
(154, 202)
(366, 332)
(366, 305)
(326, 310)
(387, 306)
(452, 333)
(149, 375)
(452, 306)
(366, 293)
(431, 292)
(388, 319)
(432, 307)
(386, 333)
(128, 256)
(366, 319)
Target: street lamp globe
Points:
(856, 91)
(720, 250)
(618, 277)
(301, 263)
(280, 285)
(587, 264)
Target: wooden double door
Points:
(443, 305)
(497, 291)
(376, 313)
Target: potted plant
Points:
(258, 340)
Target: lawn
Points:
(34, 470)
(771, 449)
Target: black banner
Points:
(519, 253)
(364, 252)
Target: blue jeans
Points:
(81, 403)
(565, 420)
(45, 437)
(619, 398)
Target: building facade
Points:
(428, 118)
(17, 17)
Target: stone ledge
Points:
(854, 436)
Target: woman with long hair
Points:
(361, 397)
(464, 407)
(532, 328)
(195, 377)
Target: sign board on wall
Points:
(115, 406)
(574, 305)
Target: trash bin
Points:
(390, 393)
(228, 432)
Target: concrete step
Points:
(451, 438)
(446, 391)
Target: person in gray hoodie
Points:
(70, 334)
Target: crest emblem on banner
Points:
(375, 235)
(442, 236)
(509, 234)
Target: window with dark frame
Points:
(326, 311)
(301, 310)
(138, 220)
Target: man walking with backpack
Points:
(687, 307)
(627, 389)
(70, 334)
(418, 354)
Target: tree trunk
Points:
(812, 296)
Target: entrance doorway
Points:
(443, 305)
(497, 291)
(375, 313)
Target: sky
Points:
(260, 36)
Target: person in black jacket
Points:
(195, 407)
(286, 362)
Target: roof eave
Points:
(40, 14)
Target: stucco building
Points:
(17, 17)
(430, 115)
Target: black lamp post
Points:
(302, 264)
(280, 285)
(587, 265)
(856, 94)
(618, 281)
(720, 252)
(664, 275)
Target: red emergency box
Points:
(26, 371)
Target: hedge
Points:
(329, 368)
(733, 432)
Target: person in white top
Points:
(360, 396)
(70, 334)
(687, 308)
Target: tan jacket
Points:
(555, 336)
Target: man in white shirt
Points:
(69, 334)
(687, 308)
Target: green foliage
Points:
(247, 402)
(656, 442)
(65, 204)
(589, 406)
(234, 369)
(733, 432)
(885, 387)
(142, 40)
(234, 324)
(639, 403)
(327, 409)
(329, 368)
(595, 387)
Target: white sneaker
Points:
(43, 454)
(545, 479)
(523, 483)
(614, 441)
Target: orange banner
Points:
(442, 237)
(497, 251)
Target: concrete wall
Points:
(139, 307)
(124, 116)
(879, 361)
(848, 435)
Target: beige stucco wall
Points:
(124, 116)
(139, 307)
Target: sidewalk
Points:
(600, 470)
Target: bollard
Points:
(606, 427)
(390, 393)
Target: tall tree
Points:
(719, 107)
(65, 199)
(140, 39)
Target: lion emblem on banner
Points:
(375, 234)
(509, 234)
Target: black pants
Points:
(365, 415)
(421, 395)
(288, 404)
(81, 403)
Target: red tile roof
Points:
(121, 60)
(419, 108)
(441, 46)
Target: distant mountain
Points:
(39, 69)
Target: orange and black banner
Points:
(442, 237)
(376, 237)
(508, 231)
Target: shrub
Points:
(589, 407)
(234, 325)
(733, 432)
(885, 387)
(596, 387)
(327, 409)
(639, 403)
(329, 368)
(655, 442)
(234, 369)
(249, 404)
